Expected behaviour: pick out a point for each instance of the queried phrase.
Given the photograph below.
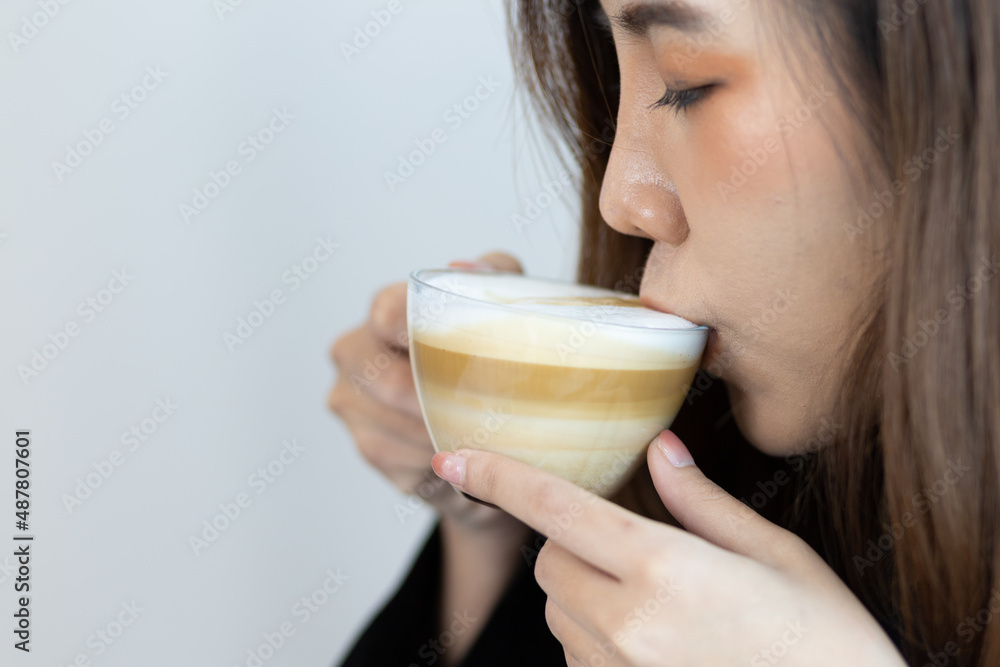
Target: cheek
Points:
(734, 188)
(742, 154)
(765, 190)
(754, 149)
(767, 201)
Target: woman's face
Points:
(742, 189)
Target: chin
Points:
(775, 426)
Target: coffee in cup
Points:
(569, 378)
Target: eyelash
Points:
(680, 100)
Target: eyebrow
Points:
(637, 18)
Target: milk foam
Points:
(531, 294)
(523, 321)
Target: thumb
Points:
(500, 261)
(706, 509)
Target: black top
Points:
(405, 632)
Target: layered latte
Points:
(568, 378)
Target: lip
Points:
(650, 302)
(711, 344)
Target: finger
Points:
(395, 388)
(595, 529)
(376, 370)
(404, 460)
(498, 261)
(387, 451)
(356, 410)
(707, 510)
(501, 261)
(580, 647)
(387, 316)
(392, 384)
(575, 585)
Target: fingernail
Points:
(464, 264)
(450, 467)
(674, 450)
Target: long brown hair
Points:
(904, 502)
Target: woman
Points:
(817, 182)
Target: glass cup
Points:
(569, 378)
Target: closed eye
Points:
(681, 99)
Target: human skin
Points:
(765, 262)
(624, 590)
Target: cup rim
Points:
(416, 277)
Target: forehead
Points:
(685, 15)
(729, 25)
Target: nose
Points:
(638, 197)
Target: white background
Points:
(162, 336)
